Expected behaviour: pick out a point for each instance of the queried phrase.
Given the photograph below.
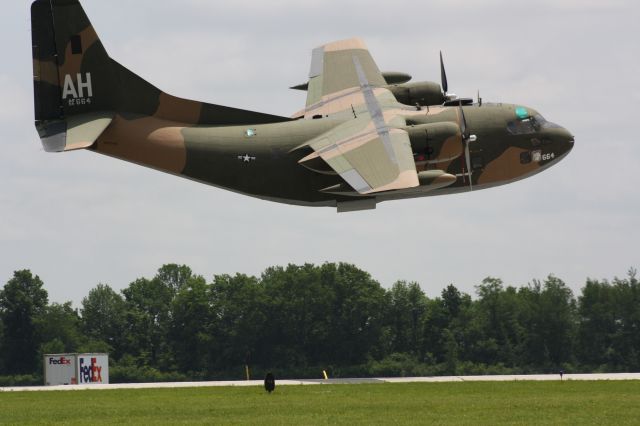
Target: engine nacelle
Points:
(436, 142)
(395, 77)
(424, 93)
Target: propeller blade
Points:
(467, 138)
(443, 76)
(467, 155)
(463, 123)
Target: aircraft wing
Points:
(369, 162)
(333, 71)
(368, 154)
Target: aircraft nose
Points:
(567, 137)
(561, 137)
(555, 130)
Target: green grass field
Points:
(576, 403)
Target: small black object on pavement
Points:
(269, 382)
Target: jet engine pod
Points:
(424, 93)
(436, 142)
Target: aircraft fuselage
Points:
(262, 160)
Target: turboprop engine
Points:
(424, 93)
(436, 142)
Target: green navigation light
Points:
(522, 113)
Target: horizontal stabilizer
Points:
(77, 132)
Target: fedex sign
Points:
(76, 369)
(59, 361)
(90, 369)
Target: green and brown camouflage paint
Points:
(85, 99)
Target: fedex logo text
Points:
(59, 361)
(89, 373)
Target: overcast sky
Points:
(79, 218)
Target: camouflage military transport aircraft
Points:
(364, 136)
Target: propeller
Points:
(467, 138)
(443, 77)
(449, 99)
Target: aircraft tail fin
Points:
(78, 88)
(74, 77)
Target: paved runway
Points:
(541, 377)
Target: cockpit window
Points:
(523, 127)
(544, 123)
(526, 124)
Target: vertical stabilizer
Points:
(74, 78)
(78, 88)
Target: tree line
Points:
(301, 319)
